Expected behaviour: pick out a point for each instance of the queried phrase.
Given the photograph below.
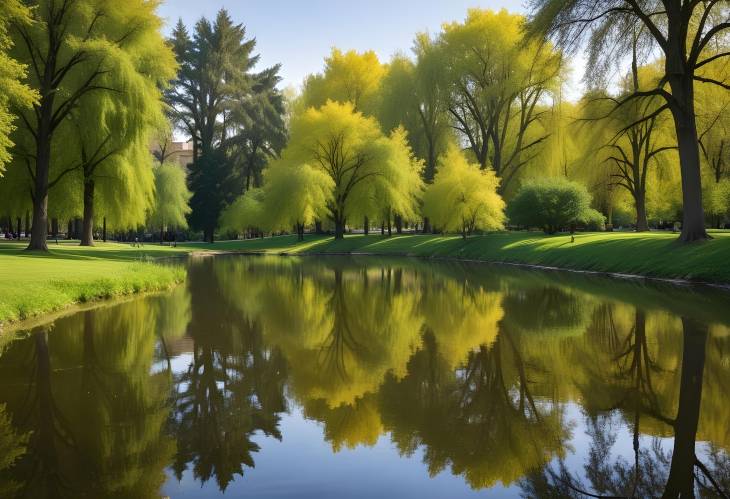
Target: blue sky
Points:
(300, 33)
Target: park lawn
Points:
(655, 254)
(33, 284)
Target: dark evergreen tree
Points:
(233, 115)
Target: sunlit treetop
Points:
(347, 77)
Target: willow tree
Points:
(412, 96)
(463, 197)
(13, 92)
(635, 145)
(683, 32)
(172, 196)
(294, 196)
(346, 146)
(496, 83)
(347, 77)
(111, 130)
(245, 213)
(71, 47)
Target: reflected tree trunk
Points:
(681, 473)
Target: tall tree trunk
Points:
(682, 86)
(87, 231)
(318, 227)
(366, 226)
(103, 230)
(339, 225)
(681, 478)
(54, 228)
(27, 223)
(17, 221)
(426, 225)
(642, 224)
(44, 135)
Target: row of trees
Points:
(487, 92)
(444, 137)
(94, 71)
(89, 85)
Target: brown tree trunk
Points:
(17, 221)
(681, 477)
(398, 224)
(27, 223)
(87, 231)
(54, 228)
(642, 224)
(366, 226)
(103, 230)
(339, 227)
(426, 225)
(39, 234)
(683, 111)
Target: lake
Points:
(366, 377)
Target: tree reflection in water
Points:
(478, 370)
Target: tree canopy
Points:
(463, 197)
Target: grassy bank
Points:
(33, 284)
(648, 254)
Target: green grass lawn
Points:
(655, 254)
(32, 284)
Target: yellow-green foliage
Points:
(171, 197)
(12, 73)
(717, 197)
(463, 197)
(245, 213)
(294, 194)
(347, 77)
(497, 82)
(111, 67)
(339, 165)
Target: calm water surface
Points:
(341, 377)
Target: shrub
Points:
(553, 204)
